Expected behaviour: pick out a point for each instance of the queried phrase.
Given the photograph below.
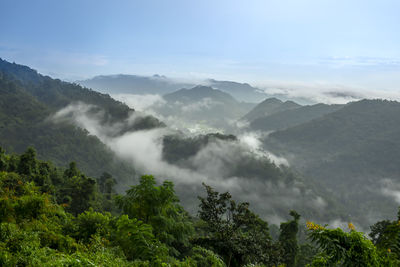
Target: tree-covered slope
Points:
(28, 100)
(354, 152)
(227, 162)
(268, 107)
(292, 117)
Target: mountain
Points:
(29, 100)
(31, 105)
(354, 152)
(241, 91)
(202, 105)
(268, 107)
(292, 117)
(133, 84)
(198, 93)
(159, 84)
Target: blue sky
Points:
(331, 42)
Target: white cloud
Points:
(140, 102)
(252, 140)
(391, 189)
(205, 103)
(212, 164)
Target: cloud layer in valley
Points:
(212, 165)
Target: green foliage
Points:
(36, 230)
(205, 258)
(306, 254)
(386, 236)
(158, 206)
(90, 223)
(233, 231)
(137, 240)
(288, 239)
(79, 189)
(346, 248)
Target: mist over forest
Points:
(331, 163)
(200, 133)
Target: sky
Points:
(308, 42)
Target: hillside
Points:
(354, 152)
(202, 105)
(268, 107)
(225, 162)
(292, 117)
(28, 100)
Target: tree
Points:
(137, 240)
(27, 163)
(158, 206)
(106, 184)
(341, 248)
(380, 233)
(3, 160)
(386, 235)
(288, 239)
(78, 191)
(233, 231)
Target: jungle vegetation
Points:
(52, 216)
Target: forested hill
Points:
(355, 152)
(28, 99)
(203, 105)
(268, 107)
(56, 94)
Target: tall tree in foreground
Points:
(288, 239)
(233, 231)
(158, 206)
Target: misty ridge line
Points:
(299, 91)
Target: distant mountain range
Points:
(157, 84)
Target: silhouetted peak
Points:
(272, 100)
